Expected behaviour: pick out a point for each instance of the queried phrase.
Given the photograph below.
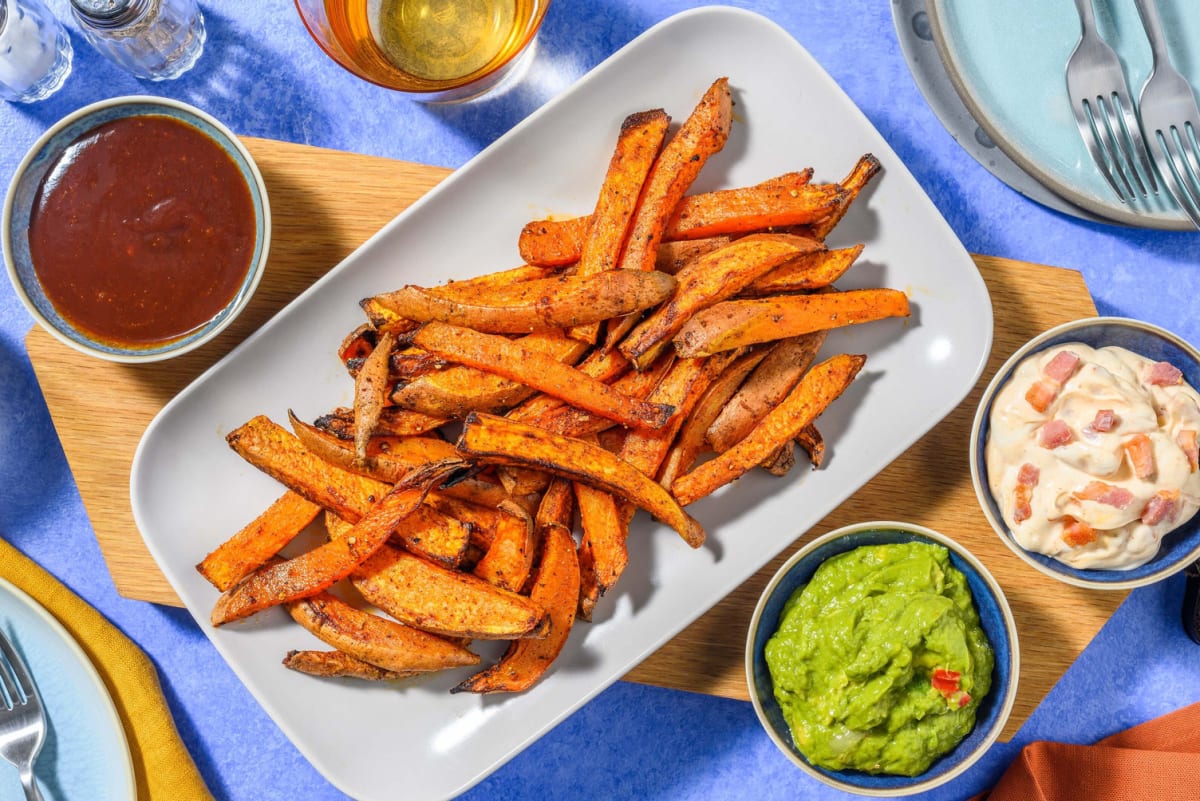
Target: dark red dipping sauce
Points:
(142, 231)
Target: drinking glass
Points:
(434, 50)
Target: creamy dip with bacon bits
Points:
(1092, 455)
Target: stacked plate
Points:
(85, 754)
(994, 75)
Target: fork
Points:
(1103, 109)
(22, 721)
(1170, 119)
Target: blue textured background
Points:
(263, 76)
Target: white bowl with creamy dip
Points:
(1084, 453)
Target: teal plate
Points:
(1007, 60)
(85, 755)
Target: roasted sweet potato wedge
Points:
(376, 640)
(391, 458)
(509, 359)
(708, 280)
(370, 393)
(771, 381)
(736, 323)
(392, 421)
(457, 390)
(692, 440)
(603, 554)
(336, 664)
(481, 287)
(559, 302)
(777, 204)
(509, 559)
(320, 568)
(275, 451)
(638, 143)
(805, 273)
(420, 594)
(682, 387)
(258, 541)
(785, 201)
(556, 589)
(674, 256)
(702, 134)
(820, 387)
(492, 439)
(574, 421)
(866, 168)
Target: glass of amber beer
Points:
(435, 50)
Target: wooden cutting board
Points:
(325, 203)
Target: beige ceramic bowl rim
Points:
(1009, 623)
(983, 493)
(256, 269)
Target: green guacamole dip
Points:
(879, 662)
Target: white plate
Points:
(85, 754)
(190, 491)
(1008, 60)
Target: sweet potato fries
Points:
(506, 428)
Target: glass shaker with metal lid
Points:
(35, 53)
(153, 39)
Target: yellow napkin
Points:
(162, 766)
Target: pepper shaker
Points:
(154, 39)
(35, 53)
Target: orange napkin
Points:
(162, 766)
(1157, 760)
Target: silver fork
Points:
(1170, 119)
(22, 721)
(1103, 109)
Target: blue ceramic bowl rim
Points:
(1181, 547)
(14, 221)
(995, 615)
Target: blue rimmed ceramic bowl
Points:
(1179, 548)
(23, 192)
(995, 617)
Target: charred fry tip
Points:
(639, 118)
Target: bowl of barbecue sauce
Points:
(136, 229)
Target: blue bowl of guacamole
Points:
(882, 659)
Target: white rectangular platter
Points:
(190, 491)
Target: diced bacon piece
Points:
(1163, 374)
(1022, 503)
(1107, 494)
(1077, 533)
(1140, 452)
(1027, 479)
(1186, 439)
(1054, 434)
(1062, 366)
(1041, 394)
(1163, 505)
(1106, 420)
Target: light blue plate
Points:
(1007, 59)
(85, 755)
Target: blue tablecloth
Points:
(263, 76)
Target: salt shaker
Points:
(35, 53)
(153, 39)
